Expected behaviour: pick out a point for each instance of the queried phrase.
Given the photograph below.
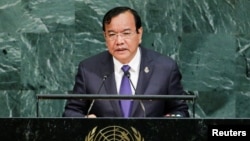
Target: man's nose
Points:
(119, 38)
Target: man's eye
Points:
(126, 33)
(111, 34)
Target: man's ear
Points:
(104, 35)
(140, 30)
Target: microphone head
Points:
(105, 77)
(127, 74)
(106, 74)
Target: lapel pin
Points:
(146, 70)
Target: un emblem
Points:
(114, 133)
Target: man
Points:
(150, 73)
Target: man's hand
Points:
(90, 116)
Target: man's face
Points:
(121, 37)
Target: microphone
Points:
(93, 101)
(141, 103)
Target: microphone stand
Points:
(140, 101)
(98, 92)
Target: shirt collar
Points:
(134, 63)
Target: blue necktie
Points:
(125, 89)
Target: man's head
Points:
(123, 33)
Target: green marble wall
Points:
(42, 42)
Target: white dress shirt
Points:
(134, 71)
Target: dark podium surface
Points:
(108, 129)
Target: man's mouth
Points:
(121, 49)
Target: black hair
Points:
(118, 10)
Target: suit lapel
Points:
(108, 69)
(110, 83)
(146, 69)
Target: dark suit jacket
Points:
(163, 77)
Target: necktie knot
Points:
(125, 68)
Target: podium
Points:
(108, 129)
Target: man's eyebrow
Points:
(110, 31)
(126, 30)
